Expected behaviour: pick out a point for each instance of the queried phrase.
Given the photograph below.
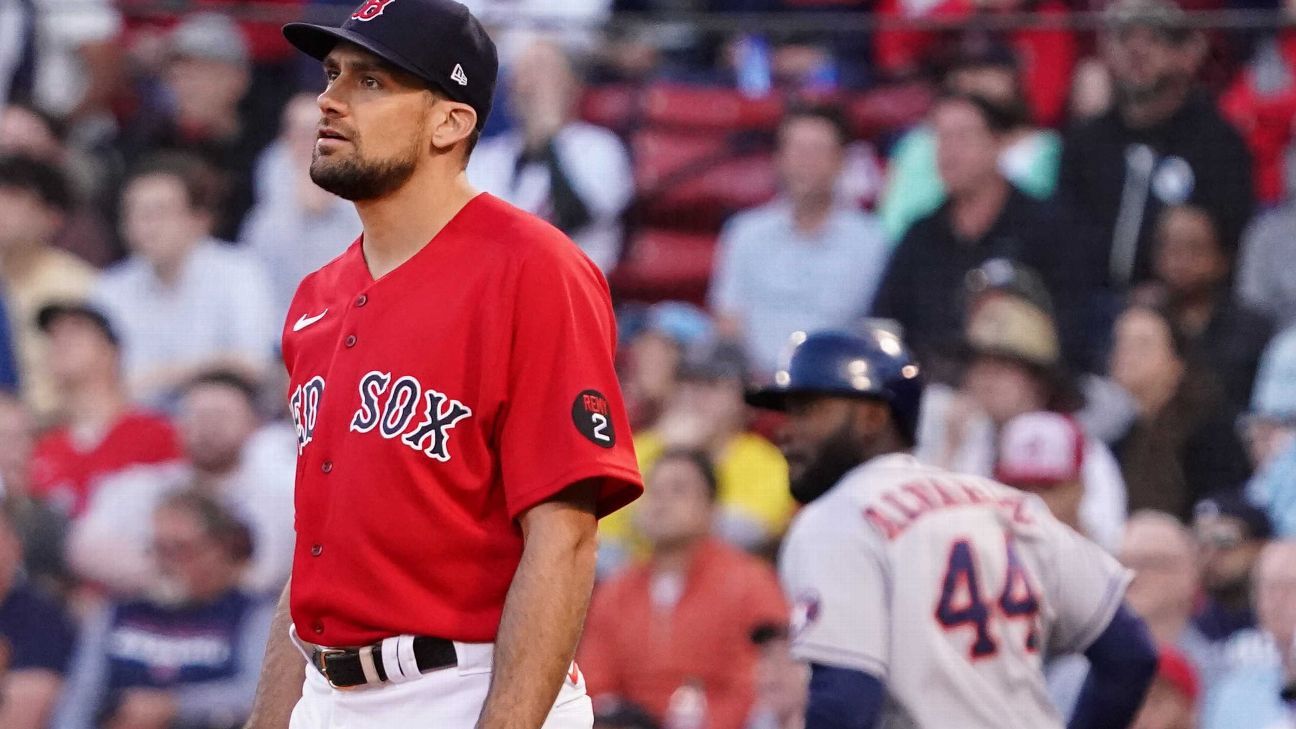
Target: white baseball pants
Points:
(450, 698)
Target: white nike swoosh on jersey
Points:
(306, 321)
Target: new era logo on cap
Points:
(458, 75)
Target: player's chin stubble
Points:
(353, 178)
(836, 456)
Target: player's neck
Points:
(398, 225)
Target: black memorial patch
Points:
(593, 418)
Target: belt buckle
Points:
(322, 665)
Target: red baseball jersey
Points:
(433, 407)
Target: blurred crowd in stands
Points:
(1087, 235)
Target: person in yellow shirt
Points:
(707, 413)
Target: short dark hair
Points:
(217, 522)
(56, 311)
(977, 52)
(228, 378)
(201, 183)
(44, 180)
(699, 460)
(473, 139)
(998, 119)
(986, 55)
(830, 113)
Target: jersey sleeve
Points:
(1086, 586)
(838, 581)
(564, 418)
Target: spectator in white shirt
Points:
(183, 302)
(575, 175)
(804, 261)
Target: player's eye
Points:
(369, 82)
(330, 74)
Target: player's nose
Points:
(329, 103)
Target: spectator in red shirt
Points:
(685, 617)
(1261, 103)
(101, 433)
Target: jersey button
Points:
(351, 340)
(318, 627)
(317, 550)
(362, 300)
(326, 466)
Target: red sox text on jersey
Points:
(389, 416)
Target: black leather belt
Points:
(345, 667)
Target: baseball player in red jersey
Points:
(460, 427)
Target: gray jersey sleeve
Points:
(1085, 586)
(837, 577)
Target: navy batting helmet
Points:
(873, 365)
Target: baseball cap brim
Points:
(767, 399)
(317, 41)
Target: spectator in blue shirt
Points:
(38, 636)
(188, 656)
(1249, 694)
(1270, 432)
(805, 261)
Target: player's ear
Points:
(452, 122)
(871, 417)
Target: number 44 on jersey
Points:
(963, 604)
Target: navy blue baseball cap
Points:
(438, 41)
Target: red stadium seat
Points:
(613, 106)
(660, 156)
(888, 109)
(709, 107)
(696, 182)
(665, 264)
